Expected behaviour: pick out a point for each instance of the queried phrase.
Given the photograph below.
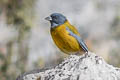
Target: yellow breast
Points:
(64, 41)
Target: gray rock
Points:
(90, 67)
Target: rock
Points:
(90, 67)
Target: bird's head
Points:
(56, 19)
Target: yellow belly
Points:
(64, 41)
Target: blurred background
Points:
(26, 43)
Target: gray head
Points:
(56, 19)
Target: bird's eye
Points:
(55, 17)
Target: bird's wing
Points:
(78, 38)
(73, 29)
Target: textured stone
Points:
(91, 67)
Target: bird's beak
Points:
(48, 18)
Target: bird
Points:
(66, 36)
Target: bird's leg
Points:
(86, 54)
(77, 53)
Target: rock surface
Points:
(90, 67)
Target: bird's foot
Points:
(87, 54)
